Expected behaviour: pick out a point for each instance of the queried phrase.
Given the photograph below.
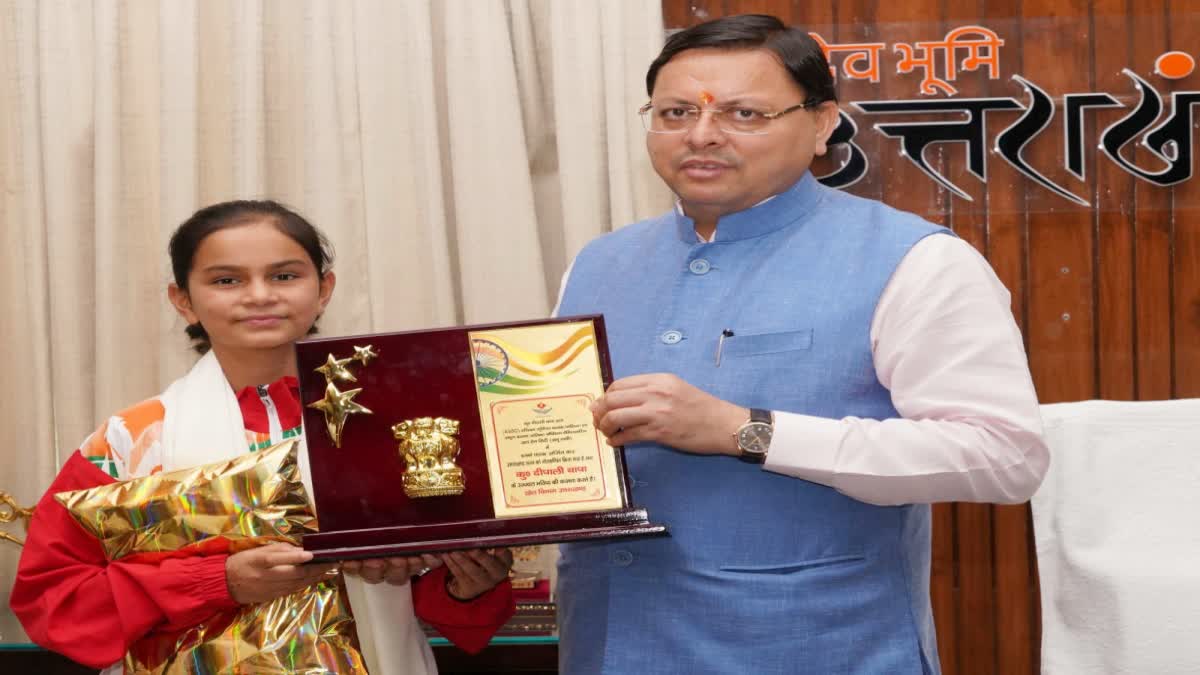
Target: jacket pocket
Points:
(751, 344)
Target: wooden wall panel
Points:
(1107, 295)
(853, 21)
(1114, 216)
(1182, 31)
(1152, 230)
(1057, 37)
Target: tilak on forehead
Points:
(706, 97)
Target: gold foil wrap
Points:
(225, 507)
(311, 631)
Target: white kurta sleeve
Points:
(947, 348)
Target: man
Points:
(800, 373)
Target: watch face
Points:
(755, 437)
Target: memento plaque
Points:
(468, 437)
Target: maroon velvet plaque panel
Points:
(467, 437)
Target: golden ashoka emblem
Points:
(429, 446)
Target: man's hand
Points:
(396, 571)
(273, 571)
(661, 408)
(475, 572)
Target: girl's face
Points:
(252, 287)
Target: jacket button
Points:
(699, 266)
(622, 558)
(671, 337)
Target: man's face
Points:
(713, 172)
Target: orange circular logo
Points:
(1174, 65)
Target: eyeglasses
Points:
(677, 119)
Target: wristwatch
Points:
(754, 437)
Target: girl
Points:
(251, 278)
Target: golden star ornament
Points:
(335, 369)
(364, 354)
(337, 406)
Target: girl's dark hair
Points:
(795, 49)
(187, 238)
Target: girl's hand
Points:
(273, 571)
(396, 571)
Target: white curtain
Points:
(457, 152)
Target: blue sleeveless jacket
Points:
(762, 573)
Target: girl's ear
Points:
(183, 304)
(328, 281)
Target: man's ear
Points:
(183, 304)
(828, 118)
